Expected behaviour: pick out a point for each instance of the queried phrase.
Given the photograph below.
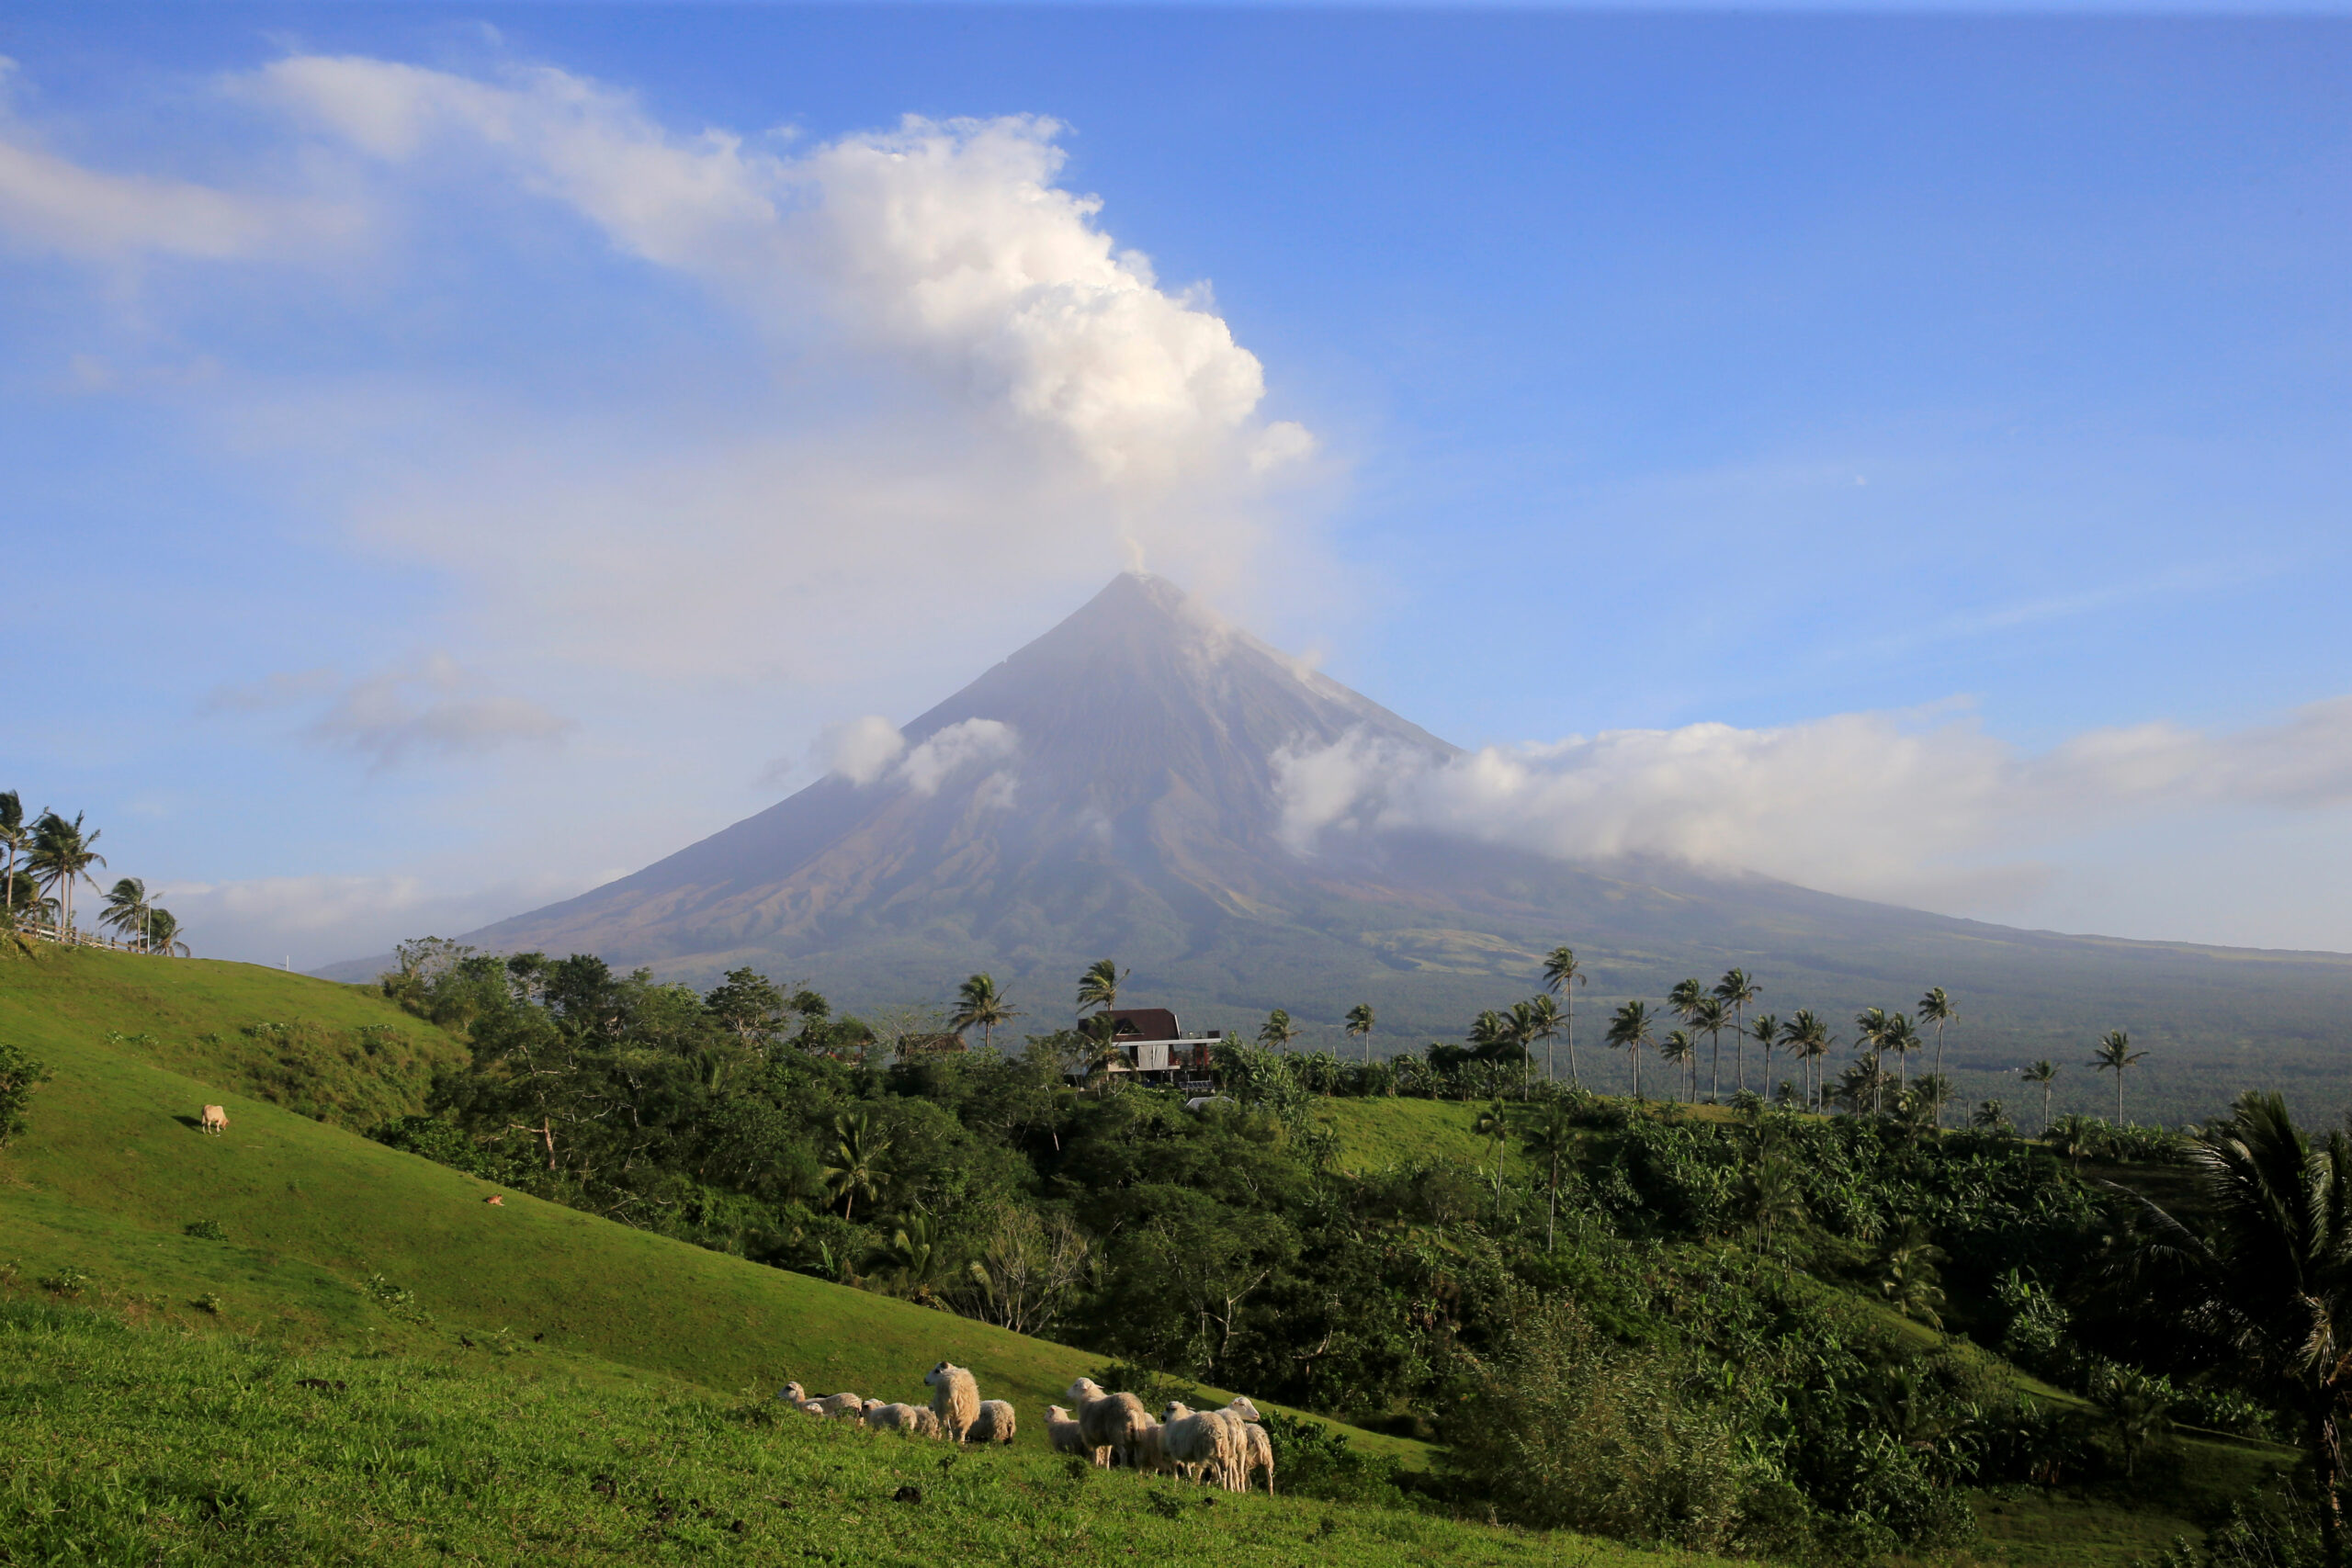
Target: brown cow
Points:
(215, 1119)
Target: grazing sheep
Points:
(1206, 1445)
(954, 1398)
(1151, 1451)
(832, 1404)
(1064, 1434)
(993, 1425)
(1111, 1421)
(216, 1120)
(1256, 1453)
(912, 1419)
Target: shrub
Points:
(1564, 1431)
(204, 1230)
(20, 1073)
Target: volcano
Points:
(1113, 788)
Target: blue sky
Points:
(458, 454)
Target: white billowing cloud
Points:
(947, 244)
(1858, 803)
(861, 749)
(957, 746)
(434, 706)
(50, 202)
(865, 750)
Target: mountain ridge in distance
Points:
(1111, 789)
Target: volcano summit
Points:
(1117, 787)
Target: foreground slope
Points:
(139, 1446)
(115, 1168)
(1118, 787)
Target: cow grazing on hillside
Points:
(215, 1119)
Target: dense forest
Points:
(1749, 1328)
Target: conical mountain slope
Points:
(1111, 789)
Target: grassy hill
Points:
(332, 1240)
(137, 1446)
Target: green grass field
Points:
(152, 1445)
(114, 1169)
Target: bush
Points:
(1564, 1431)
(204, 1230)
(20, 1073)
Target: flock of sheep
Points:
(1225, 1448)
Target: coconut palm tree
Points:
(2042, 1073)
(126, 909)
(1099, 987)
(1278, 1030)
(61, 856)
(14, 839)
(1677, 1046)
(1735, 990)
(980, 1005)
(1937, 1007)
(1360, 1026)
(1629, 1029)
(1807, 1038)
(1544, 1023)
(163, 933)
(854, 1167)
(2115, 1054)
(1552, 1138)
(1684, 1000)
(1764, 1031)
(1494, 1127)
(1561, 974)
(1711, 1014)
(2269, 1275)
(1900, 1037)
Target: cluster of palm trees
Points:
(1805, 1037)
(49, 858)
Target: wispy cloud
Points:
(432, 707)
(1864, 803)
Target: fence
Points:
(64, 938)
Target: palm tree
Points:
(14, 839)
(1561, 974)
(1630, 1030)
(1677, 1047)
(1809, 1039)
(126, 908)
(2272, 1276)
(1710, 1014)
(2115, 1054)
(1278, 1030)
(1360, 1026)
(1682, 1001)
(1551, 1140)
(1520, 1027)
(2042, 1073)
(63, 856)
(1869, 1036)
(1764, 1031)
(1735, 990)
(1493, 1126)
(163, 933)
(1544, 1023)
(1900, 1038)
(980, 1005)
(1099, 987)
(854, 1167)
(1937, 1007)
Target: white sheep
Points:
(955, 1399)
(1111, 1422)
(1239, 1405)
(1151, 1449)
(1258, 1453)
(912, 1419)
(993, 1425)
(1063, 1433)
(832, 1404)
(1206, 1445)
